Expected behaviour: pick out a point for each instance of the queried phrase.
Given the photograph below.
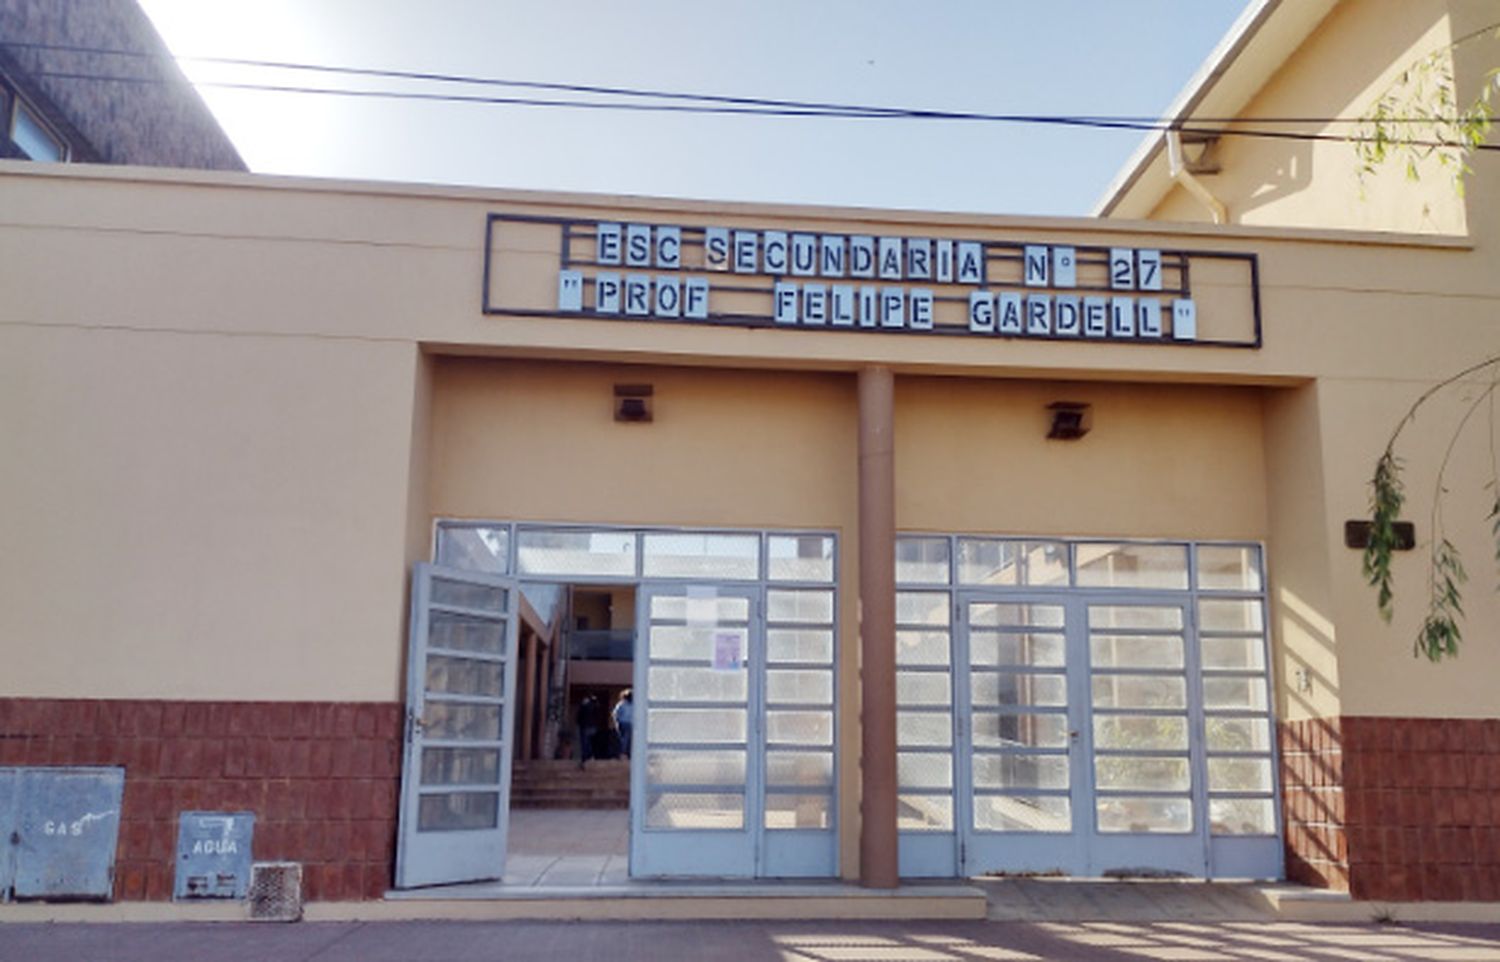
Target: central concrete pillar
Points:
(878, 866)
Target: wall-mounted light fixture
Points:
(1071, 420)
(633, 403)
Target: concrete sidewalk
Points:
(1257, 941)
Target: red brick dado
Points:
(1395, 809)
(322, 778)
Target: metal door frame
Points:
(1024, 852)
(1095, 852)
(716, 854)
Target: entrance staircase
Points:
(562, 784)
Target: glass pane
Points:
(923, 688)
(1145, 814)
(989, 615)
(1135, 616)
(465, 633)
(1239, 774)
(921, 561)
(1238, 734)
(696, 684)
(1002, 689)
(460, 766)
(700, 608)
(924, 770)
(458, 811)
(1136, 651)
(443, 719)
(462, 594)
(572, 552)
(1221, 614)
(799, 644)
(800, 687)
(694, 810)
(1139, 691)
(989, 561)
(1241, 816)
(1248, 654)
(1241, 693)
(695, 725)
(1020, 730)
(799, 557)
(474, 549)
(785, 812)
(799, 728)
(1146, 732)
(465, 676)
(921, 647)
(664, 767)
(1132, 565)
(683, 554)
(1228, 568)
(987, 648)
(1022, 813)
(922, 608)
(1020, 770)
(814, 606)
(680, 643)
(924, 813)
(799, 768)
(1141, 773)
(923, 729)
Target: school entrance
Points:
(732, 654)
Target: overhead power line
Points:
(683, 102)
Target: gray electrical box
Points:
(213, 855)
(58, 831)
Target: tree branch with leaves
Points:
(1440, 632)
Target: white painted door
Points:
(1148, 810)
(1022, 762)
(455, 780)
(696, 792)
(1077, 748)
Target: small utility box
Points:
(213, 855)
(58, 831)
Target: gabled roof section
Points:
(1256, 46)
(99, 72)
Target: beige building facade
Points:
(240, 417)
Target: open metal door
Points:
(455, 779)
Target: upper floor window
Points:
(30, 134)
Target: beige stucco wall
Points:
(1162, 460)
(226, 374)
(1349, 62)
(199, 515)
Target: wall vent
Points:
(276, 891)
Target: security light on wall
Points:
(1071, 420)
(633, 403)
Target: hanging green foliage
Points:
(1419, 117)
(1440, 632)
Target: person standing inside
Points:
(590, 719)
(624, 716)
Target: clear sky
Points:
(1095, 57)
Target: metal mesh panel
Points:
(276, 891)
